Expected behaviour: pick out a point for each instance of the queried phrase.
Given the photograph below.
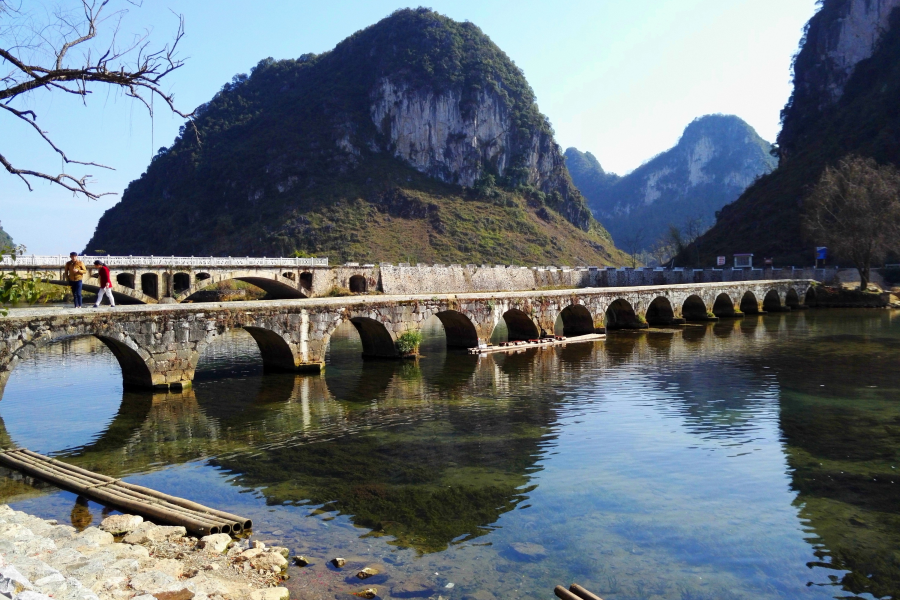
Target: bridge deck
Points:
(362, 300)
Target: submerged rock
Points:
(412, 588)
(367, 572)
(338, 562)
(301, 561)
(528, 550)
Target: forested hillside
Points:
(414, 139)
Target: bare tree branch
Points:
(38, 58)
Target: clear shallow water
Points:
(746, 459)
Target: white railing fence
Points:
(45, 262)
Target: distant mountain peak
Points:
(715, 159)
(6, 240)
(846, 85)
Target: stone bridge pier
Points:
(159, 346)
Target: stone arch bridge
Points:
(159, 346)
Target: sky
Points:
(618, 79)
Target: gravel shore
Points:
(128, 557)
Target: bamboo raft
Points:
(161, 508)
(539, 343)
(575, 592)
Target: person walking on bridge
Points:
(75, 271)
(105, 284)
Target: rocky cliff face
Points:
(840, 36)
(716, 159)
(847, 81)
(303, 155)
(431, 132)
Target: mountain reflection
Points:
(434, 452)
(842, 441)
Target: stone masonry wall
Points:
(160, 345)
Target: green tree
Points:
(855, 211)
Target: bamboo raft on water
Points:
(538, 343)
(137, 499)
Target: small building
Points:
(743, 261)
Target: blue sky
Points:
(619, 79)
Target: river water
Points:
(753, 458)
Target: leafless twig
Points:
(41, 57)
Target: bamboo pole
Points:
(583, 593)
(108, 490)
(564, 594)
(240, 521)
(137, 489)
(90, 487)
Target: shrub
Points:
(338, 292)
(710, 314)
(409, 342)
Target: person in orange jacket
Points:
(75, 271)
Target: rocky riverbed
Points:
(127, 557)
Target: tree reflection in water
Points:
(435, 452)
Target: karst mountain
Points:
(416, 139)
(715, 160)
(6, 240)
(846, 86)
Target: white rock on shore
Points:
(40, 560)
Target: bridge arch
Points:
(181, 282)
(723, 306)
(749, 304)
(133, 361)
(772, 301)
(358, 284)
(621, 315)
(792, 299)
(521, 327)
(125, 280)
(810, 298)
(694, 309)
(377, 341)
(277, 286)
(459, 329)
(150, 285)
(660, 312)
(576, 320)
(277, 354)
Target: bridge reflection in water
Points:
(434, 453)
